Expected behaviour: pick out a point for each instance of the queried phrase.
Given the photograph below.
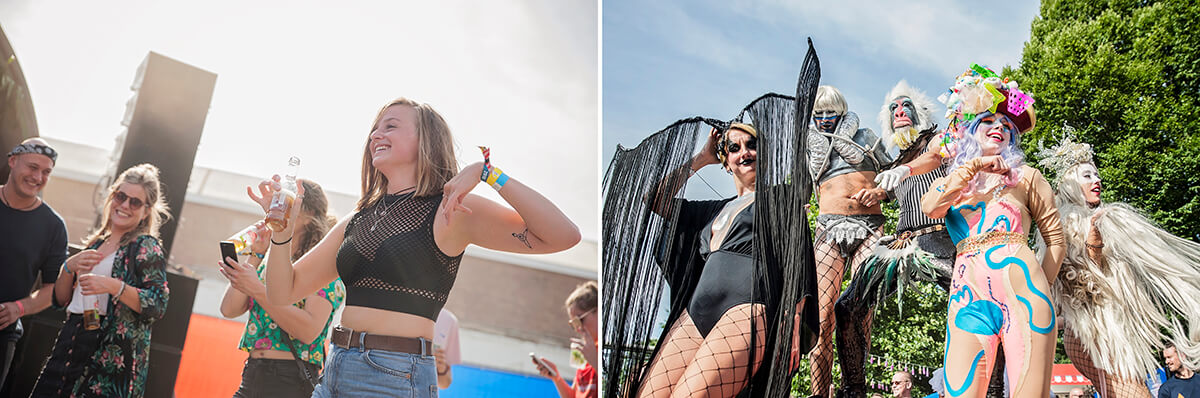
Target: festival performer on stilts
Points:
(999, 292)
(844, 160)
(1122, 280)
(738, 269)
(920, 250)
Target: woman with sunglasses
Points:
(581, 310)
(723, 310)
(122, 277)
(399, 252)
(999, 291)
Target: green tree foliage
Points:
(1126, 75)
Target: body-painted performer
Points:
(737, 268)
(921, 249)
(1122, 278)
(990, 199)
(844, 160)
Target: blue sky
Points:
(664, 61)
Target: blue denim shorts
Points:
(376, 373)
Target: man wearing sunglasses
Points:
(33, 239)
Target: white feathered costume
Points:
(1148, 286)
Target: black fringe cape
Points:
(642, 249)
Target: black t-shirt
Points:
(1180, 388)
(30, 242)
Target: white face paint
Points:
(1089, 182)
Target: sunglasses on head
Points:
(577, 322)
(120, 197)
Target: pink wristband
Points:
(20, 307)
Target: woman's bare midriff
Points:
(384, 322)
(836, 193)
(270, 354)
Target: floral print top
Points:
(262, 333)
(122, 358)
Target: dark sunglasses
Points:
(120, 197)
(733, 147)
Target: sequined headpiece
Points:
(1066, 154)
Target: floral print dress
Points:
(122, 358)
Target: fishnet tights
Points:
(714, 366)
(1109, 385)
(831, 269)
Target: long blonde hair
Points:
(1079, 274)
(436, 163)
(146, 175)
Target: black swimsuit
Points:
(726, 280)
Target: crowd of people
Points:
(391, 264)
(1121, 288)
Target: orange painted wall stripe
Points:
(211, 363)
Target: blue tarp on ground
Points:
(473, 382)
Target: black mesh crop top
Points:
(389, 260)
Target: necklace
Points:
(9, 203)
(1000, 186)
(383, 210)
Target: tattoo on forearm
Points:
(521, 237)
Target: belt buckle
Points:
(349, 335)
(901, 241)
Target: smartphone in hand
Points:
(543, 365)
(228, 250)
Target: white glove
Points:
(890, 179)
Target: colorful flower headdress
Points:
(980, 89)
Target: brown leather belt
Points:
(347, 338)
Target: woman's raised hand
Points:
(84, 261)
(455, 190)
(993, 164)
(708, 154)
(266, 190)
